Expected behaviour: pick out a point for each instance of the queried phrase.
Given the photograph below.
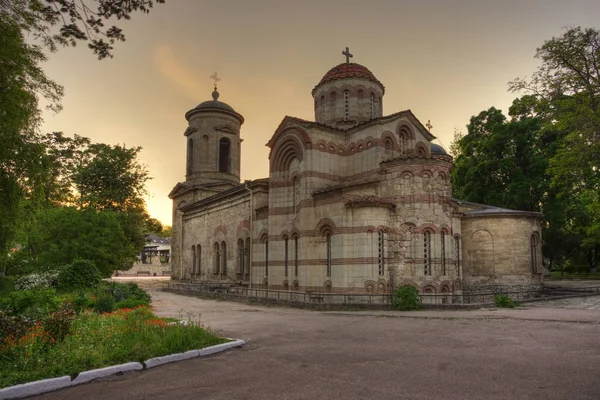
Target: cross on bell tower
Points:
(429, 126)
(216, 79)
(348, 55)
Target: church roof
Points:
(349, 70)
(214, 105)
(437, 149)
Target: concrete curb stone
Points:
(33, 388)
(87, 376)
(50, 385)
(220, 347)
(156, 361)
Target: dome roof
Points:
(437, 149)
(349, 70)
(214, 105)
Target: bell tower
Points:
(213, 142)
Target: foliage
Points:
(63, 235)
(104, 304)
(77, 21)
(96, 341)
(503, 301)
(406, 298)
(131, 303)
(34, 304)
(7, 285)
(21, 172)
(124, 291)
(41, 280)
(78, 275)
(58, 324)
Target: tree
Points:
(567, 84)
(21, 169)
(111, 178)
(64, 234)
(76, 20)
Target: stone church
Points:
(355, 201)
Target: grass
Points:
(95, 341)
(586, 275)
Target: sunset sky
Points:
(446, 60)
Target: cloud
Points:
(174, 70)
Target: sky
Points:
(446, 60)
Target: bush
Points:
(130, 303)
(503, 301)
(135, 292)
(13, 325)
(105, 303)
(34, 304)
(79, 274)
(40, 280)
(406, 298)
(58, 324)
(81, 301)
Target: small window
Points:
(199, 259)
(286, 255)
(427, 253)
(328, 253)
(223, 258)
(381, 252)
(193, 260)
(346, 105)
(224, 155)
(443, 248)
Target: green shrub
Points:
(79, 274)
(37, 280)
(7, 285)
(130, 303)
(105, 303)
(81, 301)
(58, 324)
(34, 304)
(13, 325)
(503, 301)
(138, 293)
(406, 298)
(120, 292)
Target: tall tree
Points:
(66, 22)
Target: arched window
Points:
(443, 248)
(332, 96)
(286, 255)
(267, 257)
(346, 104)
(241, 256)
(190, 157)
(457, 254)
(193, 260)
(328, 252)
(534, 257)
(199, 258)
(217, 259)
(403, 142)
(224, 155)
(296, 255)
(223, 258)
(372, 105)
(427, 253)
(247, 259)
(381, 252)
(322, 109)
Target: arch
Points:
(428, 288)
(263, 236)
(332, 96)
(442, 175)
(325, 225)
(327, 285)
(370, 286)
(427, 226)
(446, 287)
(481, 257)
(286, 284)
(199, 259)
(285, 151)
(407, 282)
(422, 149)
(427, 245)
(295, 284)
(328, 252)
(225, 155)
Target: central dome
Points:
(349, 70)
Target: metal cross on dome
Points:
(348, 55)
(428, 125)
(215, 77)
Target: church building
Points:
(355, 201)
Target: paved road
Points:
(534, 353)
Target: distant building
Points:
(355, 201)
(154, 259)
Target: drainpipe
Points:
(181, 247)
(251, 236)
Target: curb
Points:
(52, 384)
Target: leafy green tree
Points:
(65, 234)
(21, 169)
(67, 22)
(567, 84)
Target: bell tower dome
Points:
(347, 95)
(213, 142)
